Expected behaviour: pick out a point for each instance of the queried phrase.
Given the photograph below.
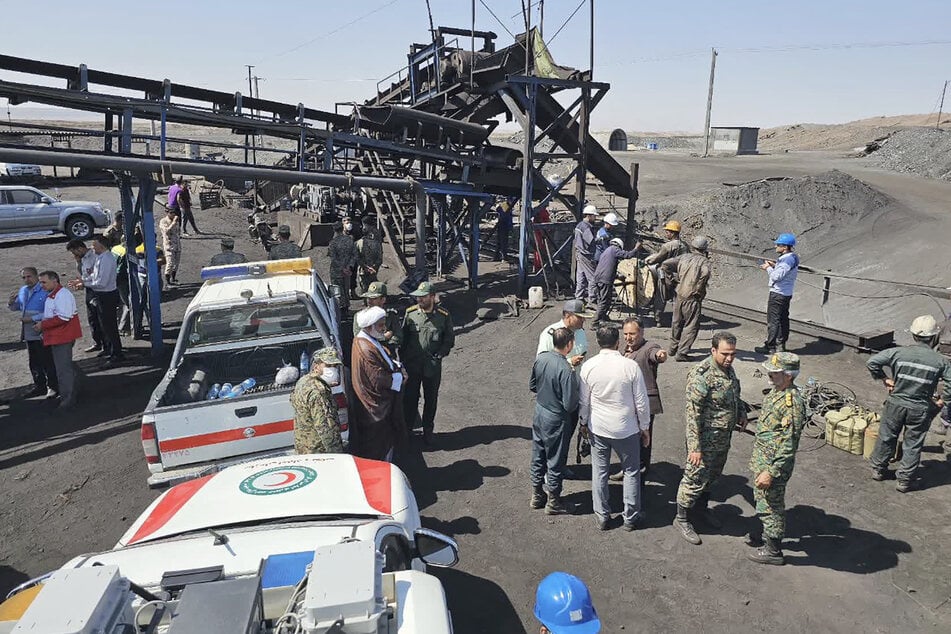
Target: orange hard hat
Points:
(672, 225)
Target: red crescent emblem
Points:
(289, 477)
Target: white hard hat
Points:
(590, 210)
(617, 242)
(700, 243)
(611, 219)
(924, 326)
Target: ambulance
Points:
(247, 335)
(299, 544)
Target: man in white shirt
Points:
(615, 413)
(102, 282)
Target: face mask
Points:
(331, 375)
(347, 227)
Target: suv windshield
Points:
(249, 320)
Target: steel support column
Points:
(528, 166)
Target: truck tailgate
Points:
(213, 430)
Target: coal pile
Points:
(922, 151)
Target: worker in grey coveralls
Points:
(556, 385)
(605, 273)
(584, 255)
(693, 275)
(911, 404)
(673, 248)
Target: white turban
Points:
(369, 316)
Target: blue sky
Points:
(654, 54)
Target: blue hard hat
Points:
(786, 239)
(563, 605)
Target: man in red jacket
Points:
(60, 328)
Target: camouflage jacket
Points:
(370, 251)
(284, 251)
(712, 403)
(316, 427)
(343, 254)
(777, 438)
(227, 257)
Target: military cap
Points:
(782, 362)
(424, 289)
(326, 355)
(375, 289)
(227, 243)
(284, 230)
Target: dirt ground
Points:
(861, 556)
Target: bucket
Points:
(651, 146)
(536, 299)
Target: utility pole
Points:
(250, 94)
(258, 139)
(529, 49)
(706, 125)
(941, 107)
(541, 19)
(591, 66)
(472, 60)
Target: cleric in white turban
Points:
(377, 379)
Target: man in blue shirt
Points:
(29, 301)
(782, 278)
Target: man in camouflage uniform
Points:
(284, 249)
(343, 258)
(713, 410)
(376, 296)
(774, 453)
(427, 338)
(369, 254)
(316, 427)
(227, 255)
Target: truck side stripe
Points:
(201, 440)
(172, 503)
(375, 477)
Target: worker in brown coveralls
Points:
(693, 271)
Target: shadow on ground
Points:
(478, 606)
(830, 541)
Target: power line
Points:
(332, 32)
(783, 49)
(578, 8)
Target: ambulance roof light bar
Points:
(293, 265)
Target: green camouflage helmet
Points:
(327, 356)
(782, 362)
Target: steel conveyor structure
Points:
(429, 124)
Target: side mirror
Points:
(46, 200)
(436, 549)
(336, 291)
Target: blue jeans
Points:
(629, 451)
(549, 450)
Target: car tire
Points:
(80, 227)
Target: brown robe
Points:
(377, 418)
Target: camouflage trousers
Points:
(771, 508)
(698, 480)
(172, 258)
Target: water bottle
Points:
(225, 390)
(812, 381)
(241, 388)
(304, 363)
(213, 392)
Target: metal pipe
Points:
(203, 168)
(421, 202)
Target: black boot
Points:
(538, 498)
(770, 553)
(703, 508)
(555, 505)
(686, 529)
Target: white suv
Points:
(27, 210)
(19, 170)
